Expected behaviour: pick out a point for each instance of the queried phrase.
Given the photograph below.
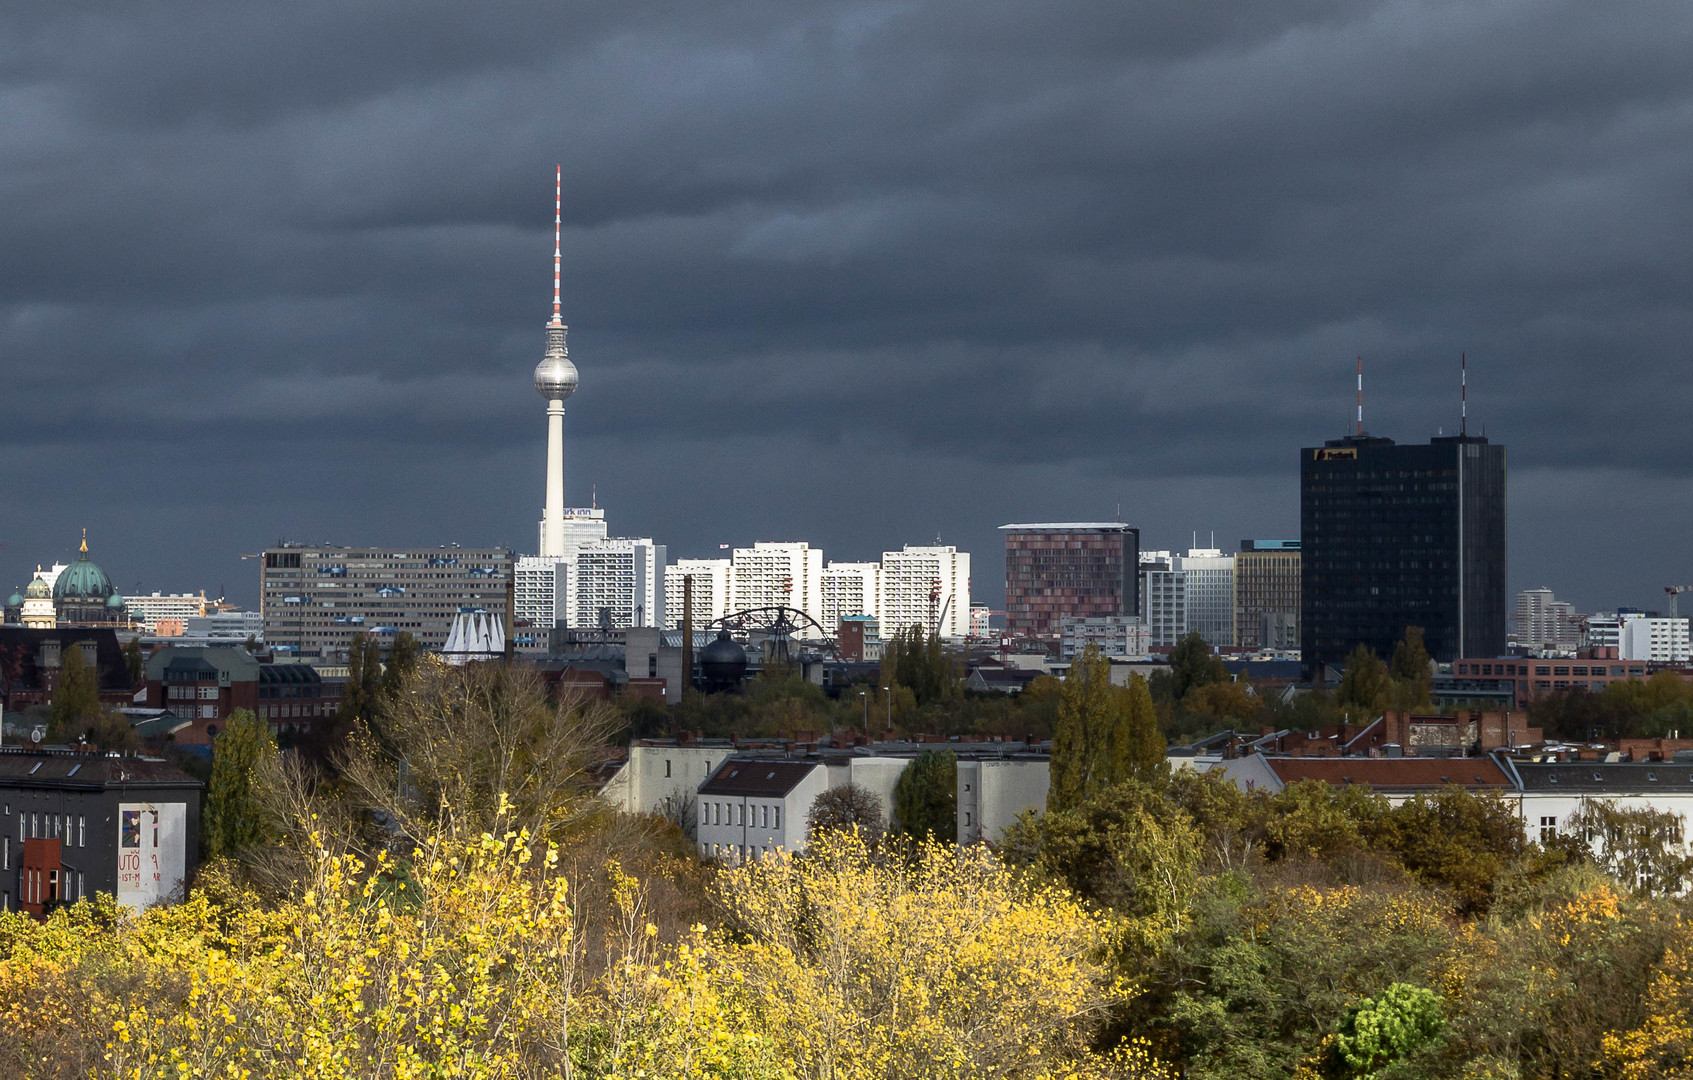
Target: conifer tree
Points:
(76, 697)
(926, 797)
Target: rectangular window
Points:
(667, 768)
(1548, 829)
(6, 854)
(21, 834)
(82, 830)
(778, 817)
(79, 886)
(34, 826)
(208, 693)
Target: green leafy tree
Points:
(1127, 847)
(402, 661)
(76, 708)
(1382, 1030)
(919, 662)
(1367, 686)
(1192, 665)
(133, 662)
(1137, 744)
(1105, 734)
(1410, 670)
(926, 797)
(1643, 848)
(234, 819)
(1454, 839)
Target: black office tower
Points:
(1396, 536)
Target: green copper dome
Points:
(37, 589)
(15, 600)
(82, 580)
(114, 601)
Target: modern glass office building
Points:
(1396, 536)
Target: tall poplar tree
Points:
(233, 820)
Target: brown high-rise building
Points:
(1079, 568)
(1266, 590)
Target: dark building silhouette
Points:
(1396, 536)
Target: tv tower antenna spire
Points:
(1360, 395)
(558, 220)
(1463, 394)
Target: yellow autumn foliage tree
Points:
(464, 960)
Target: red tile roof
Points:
(1393, 774)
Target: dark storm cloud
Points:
(854, 272)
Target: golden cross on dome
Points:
(85, 541)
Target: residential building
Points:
(315, 599)
(1395, 536)
(74, 825)
(1267, 597)
(749, 807)
(994, 792)
(1114, 635)
(771, 574)
(927, 587)
(1547, 626)
(206, 684)
(859, 639)
(540, 600)
(32, 658)
(981, 622)
(1655, 640)
(1163, 592)
(618, 583)
(1054, 569)
(711, 591)
(179, 607)
(1603, 631)
(849, 589)
(663, 777)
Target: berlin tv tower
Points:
(555, 380)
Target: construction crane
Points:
(1675, 591)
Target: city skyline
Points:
(939, 276)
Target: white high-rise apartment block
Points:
(1209, 586)
(540, 592)
(711, 591)
(1163, 597)
(1546, 625)
(1603, 631)
(618, 583)
(848, 589)
(148, 610)
(770, 574)
(927, 587)
(1659, 641)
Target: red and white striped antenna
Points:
(1360, 395)
(558, 218)
(1463, 394)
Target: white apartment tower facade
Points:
(850, 589)
(927, 587)
(1546, 625)
(711, 591)
(769, 574)
(618, 583)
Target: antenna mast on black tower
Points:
(1463, 394)
(1360, 395)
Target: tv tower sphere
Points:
(555, 375)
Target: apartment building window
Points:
(82, 830)
(778, 817)
(667, 768)
(6, 853)
(1548, 829)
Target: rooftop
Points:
(765, 778)
(1394, 774)
(1068, 526)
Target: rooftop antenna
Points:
(593, 496)
(1463, 394)
(558, 220)
(1360, 395)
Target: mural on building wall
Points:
(151, 849)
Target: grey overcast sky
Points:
(857, 273)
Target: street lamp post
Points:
(890, 692)
(866, 696)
